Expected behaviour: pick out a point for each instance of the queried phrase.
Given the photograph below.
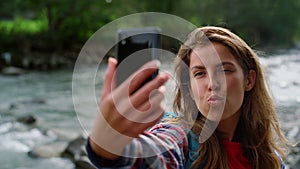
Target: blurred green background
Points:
(41, 29)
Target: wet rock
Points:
(12, 71)
(27, 119)
(84, 163)
(62, 135)
(14, 106)
(48, 150)
(296, 83)
(76, 152)
(75, 148)
(35, 101)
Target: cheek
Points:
(197, 90)
(198, 94)
(235, 92)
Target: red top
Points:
(236, 159)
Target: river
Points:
(48, 97)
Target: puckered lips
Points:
(215, 99)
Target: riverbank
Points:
(31, 57)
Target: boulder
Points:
(84, 163)
(77, 153)
(27, 119)
(12, 71)
(75, 148)
(62, 135)
(48, 150)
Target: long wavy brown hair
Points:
(258, 128)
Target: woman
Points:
(225, 117)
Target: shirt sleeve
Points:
(163, 146)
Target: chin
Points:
(214, 117)
(215, 114)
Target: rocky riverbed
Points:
(70, 147)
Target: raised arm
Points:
(124, 115)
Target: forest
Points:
(44, 29)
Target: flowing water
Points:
(48, 97)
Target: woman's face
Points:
(217, 81)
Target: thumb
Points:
(109, 81)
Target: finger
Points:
(143, 113)
(154, 99)
(142, 95)
(148, 111)
(130, 113)
(136, 79)
(109, 81)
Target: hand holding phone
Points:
(135, 47)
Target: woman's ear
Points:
(250, 80)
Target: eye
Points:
(224, 70)
(227, 70)
(199, 74)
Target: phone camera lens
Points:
(123, 42)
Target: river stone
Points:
(62, 135)
(76, 152)
(15, 106)
(75, 148)
(27, 119)
(48, 150)
(12, 71)
(84, 163)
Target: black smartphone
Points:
(135, 47)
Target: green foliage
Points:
(60, 25)
(21, 25)
(268, 22)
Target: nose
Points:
(213, 84)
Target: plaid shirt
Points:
(165, 146)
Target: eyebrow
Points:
(197, 67)
(218, 65)
(225, 63)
